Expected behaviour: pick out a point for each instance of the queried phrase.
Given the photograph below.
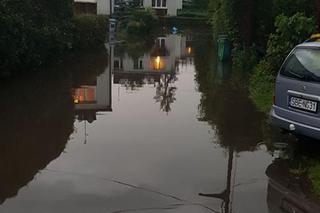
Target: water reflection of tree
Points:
(36, 123)
(37, 118)
(226, 107)
(225, 104)
(166, 91)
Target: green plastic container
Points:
(223, 47)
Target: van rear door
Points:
(298, 87)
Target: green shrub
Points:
(289, 8)
(193, 13)
(141, 21)
(33, 32)
(261, 86)
(221, 18)
(314, 176)
(243, 60)
(89, 31)
(290, 31)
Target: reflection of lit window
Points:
(84, 95)
(161, 42)
(189, 50)
(135, 64)
(157, 63)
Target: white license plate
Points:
(303, 104)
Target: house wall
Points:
(103, 94)
(172, 6)
(104, 7)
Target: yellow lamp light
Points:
(189, 50)
(158, 63)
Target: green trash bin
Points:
(223, 47)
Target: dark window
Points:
(162, 42)
(153, 3)
(164, 3)
(116, 64)
(135, 64)
(141, 65)
(303, 64)
(158, 3)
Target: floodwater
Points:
(154, 125)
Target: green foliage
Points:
(263, 22)
(141, 21)
(290, 31)
(261, 86)
(193, 13)
(196, 5)
(32, 32)
(314, 176)
(221, 17)
(243, 60)
(289, 8)
(89, 31)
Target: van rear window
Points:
(303, 64)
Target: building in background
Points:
(93, 97)
(99, 7)
(163, 58)
(164, 7)
(107, 7)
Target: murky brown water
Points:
(160, 128)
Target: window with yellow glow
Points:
(158, 63)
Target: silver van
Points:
(297, 92)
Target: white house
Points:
(103, 7)
(92, 98)
(162, 59)
(162, 7)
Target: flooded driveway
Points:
(141, 127)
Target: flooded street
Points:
(156, 126)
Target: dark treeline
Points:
(34, 32)
(251, 21)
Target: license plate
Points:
(303, 104)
